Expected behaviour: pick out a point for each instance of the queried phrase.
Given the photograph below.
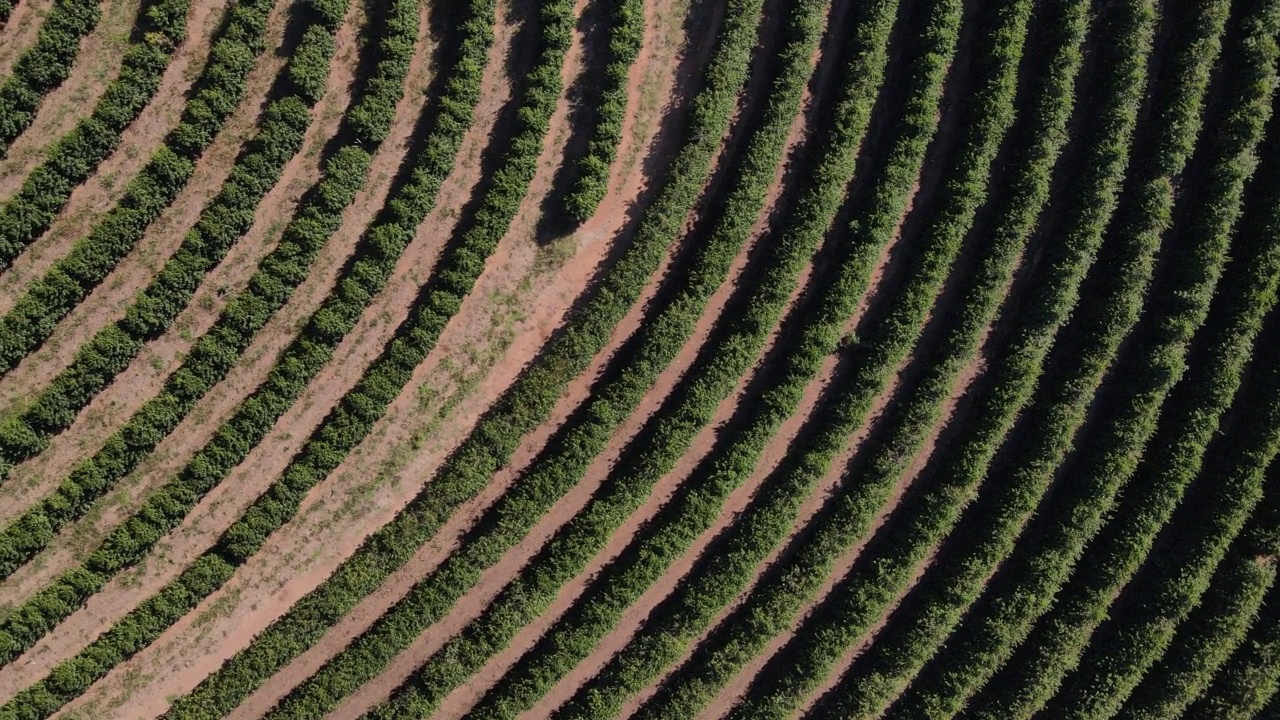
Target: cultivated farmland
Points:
(658, 359)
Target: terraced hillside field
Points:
(658, 359)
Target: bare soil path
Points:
(493, 579)
(19, 33)
(491, 383)
(78, 218)
(97, 64)
(265, 463)
(800, 133)
(137, 142)
(143, 379)
(160, 358)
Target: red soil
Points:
(19, 31)
(92, 199)
(96, 65)
(160, 358)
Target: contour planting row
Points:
(352, 419)
(709, 588)
(929, 517)
(1250, 677)
(1199, 241)
(217, 352)
(878, 211)
(885, 458)
(626, 34)
(113, 348)
(780, 596)
(999, 516)
(946, 221)
(526, 405)
(1206, 641)
(221, 224)
(1115, 661)
(699, 503)
(792, 245)
(44, 66)
(221, 88)
(1210, 633)
(568, 455)
(1196, 542)
(297, 365)
(73, 158)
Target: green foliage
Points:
(1121, 651)
(44, 66)
(1186, 423)
(371, 117)
(697, 601)
(1249, 679)
(926, 518)
(527, 404)
(91, 259)
(1087, 353)
(74, 156)
(209, 361)
(592, 181)
(222, 223)
(309, 66)
(570, 453)
(336, 436)
(1217, 628)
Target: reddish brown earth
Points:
(19, 31)
(158, 359)
(635, 615)
(21, 584)
(264, 465)
(528, 288)
(92, 199)
(96, 65)
(144, 379)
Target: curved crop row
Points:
(217, 351)
(110, 351)
(1178, 310)
(695, 509)
(592, 181)
(985, 118)
(1179, 575)
(44, 66)
(1036, 146)
(1251, 676)
(296, 367)
(231, 213)
(568, 455)
(914, 634)
(771, 605)
(710, 588)
(596, 612)
(1124, 648)
(883, 205)
(72, 158)
(960, 575)
(1218, 626)
(351, 420)
(221, 88)
(521, 409)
